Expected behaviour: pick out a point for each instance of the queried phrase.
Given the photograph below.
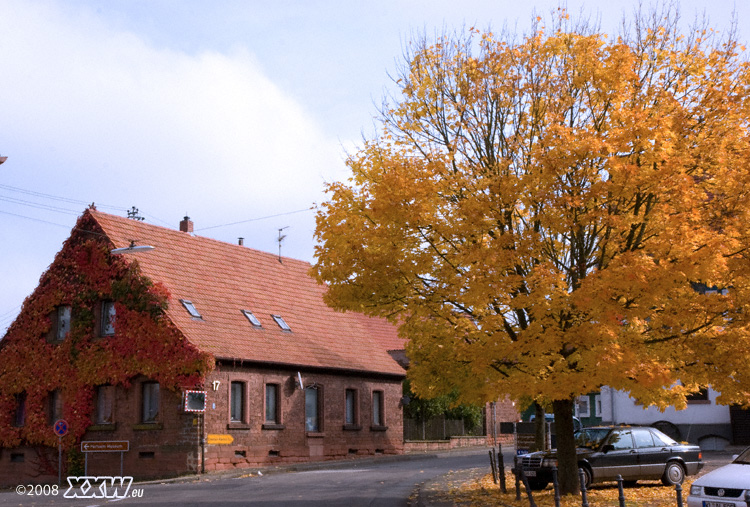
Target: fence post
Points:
(492, 465)
(678, 490)
(584, 497)
(556, 486)
(621, 498)
(501, 467)
(528, 488)
(517, 475)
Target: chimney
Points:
(241, 241)
(186, 225)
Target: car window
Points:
(643, 438)
(662, 439)
(743, 458)
(621, 440)
(591, 437)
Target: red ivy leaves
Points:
(145, 342)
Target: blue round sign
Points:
(61, 427)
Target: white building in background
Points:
(704, 422)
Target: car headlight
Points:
(549, 462)
(695, 490)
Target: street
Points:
(383, 482)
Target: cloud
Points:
(96, 113)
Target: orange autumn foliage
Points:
(540, 215)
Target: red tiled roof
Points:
(221, 279)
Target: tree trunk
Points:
(567, 462)
(540, 427)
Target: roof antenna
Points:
(133, 213)
(281, 238)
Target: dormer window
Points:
(190, 307)
(281, 322)
(251, 317)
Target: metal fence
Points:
(438, 428)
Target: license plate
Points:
(718, 504)
(529, 473)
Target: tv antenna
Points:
(280, 239)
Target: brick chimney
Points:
(186, 225)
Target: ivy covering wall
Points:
(83, 274)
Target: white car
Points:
(728, 486)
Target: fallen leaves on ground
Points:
(483, 491)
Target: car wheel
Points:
(587, 479)
(674, 474)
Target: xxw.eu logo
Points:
(101, 487)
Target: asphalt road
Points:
(373, 482)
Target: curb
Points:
(308, 466)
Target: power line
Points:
(31, 204)
(255, 219)
(57, 197)
(34, 219)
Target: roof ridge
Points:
(97, 214)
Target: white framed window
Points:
(108, 318)
(62, 322)
(252, 318)
(105, 404)
(583, 408)
(350, 410)
(273, 414)
(312, 409)
(237, 402)
(378, 416)
(281, 322)
(149, 402)
(190, 307)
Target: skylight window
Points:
(252, 318)
(190, 307)
(281, 322)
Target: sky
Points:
(235, 113)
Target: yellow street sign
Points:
(219, 439)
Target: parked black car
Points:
(604, 452)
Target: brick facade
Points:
(210, 289)
(172, 445)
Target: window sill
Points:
(238, 426)
(352, 427)
(315, 434)
(102, 427)
(273, 426)
(378, 428)
(148, 426)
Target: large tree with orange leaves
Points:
(539, 214)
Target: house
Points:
(703, 422)
(196, 355)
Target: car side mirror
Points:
(608, 447)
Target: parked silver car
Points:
(728, 486)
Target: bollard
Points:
(517, 475)
(678, 490)
(528, 489)
(621, 498)
(556, 485)
(584, 497)
(492, 465)
(501, 467)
